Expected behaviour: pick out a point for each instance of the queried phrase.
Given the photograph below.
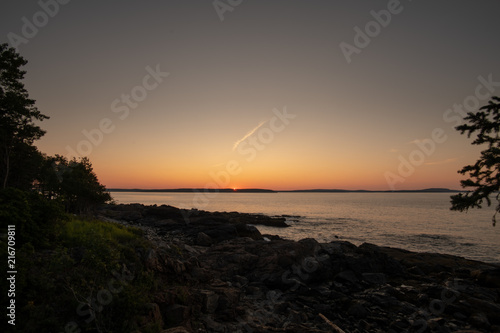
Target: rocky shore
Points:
(219, 274)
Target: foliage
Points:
(73, 182)
(484, 176)
(92, 278)
(81, 188)
(18, 130)
(36, 218)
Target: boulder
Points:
(202, 239)
(245, 230)
(176, 314)
(209, 301)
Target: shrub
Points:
(36, 218)
(63, 283)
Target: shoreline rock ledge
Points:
(219, 274)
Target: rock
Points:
(220, 275)
(200, 274)
(132, 216)
(347, 276)
(222, 232)
(178, 329)
(210, 301)
(488, 278)
(480, 320)
(415, 270)
(152, 261)
(358, 310)
(176, 314)
(165, 212)
(153, 314)
(374, 278)
(241, 280)
(202, 239)
(400, 325)
(489, 309)
(190, 249)
(212, 326)
(245, 230)
(436, 323)
(228, 297)
(178, 266)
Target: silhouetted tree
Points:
(49, 180)
(18, 156)
(74, 183)
(484, 177)
(22, 166)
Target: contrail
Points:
(237, 143)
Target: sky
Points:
(259, 94)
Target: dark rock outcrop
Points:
(220, 275)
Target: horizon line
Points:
(263, 190)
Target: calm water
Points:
(412, 221)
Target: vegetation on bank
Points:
(74, 273)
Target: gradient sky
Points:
(213, 120)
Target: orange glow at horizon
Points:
(278, 178)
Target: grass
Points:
(91, 276)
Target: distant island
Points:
(259, 190)
(427, 190)
(223, 190)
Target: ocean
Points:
(419, 222)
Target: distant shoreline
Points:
(257, 190)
